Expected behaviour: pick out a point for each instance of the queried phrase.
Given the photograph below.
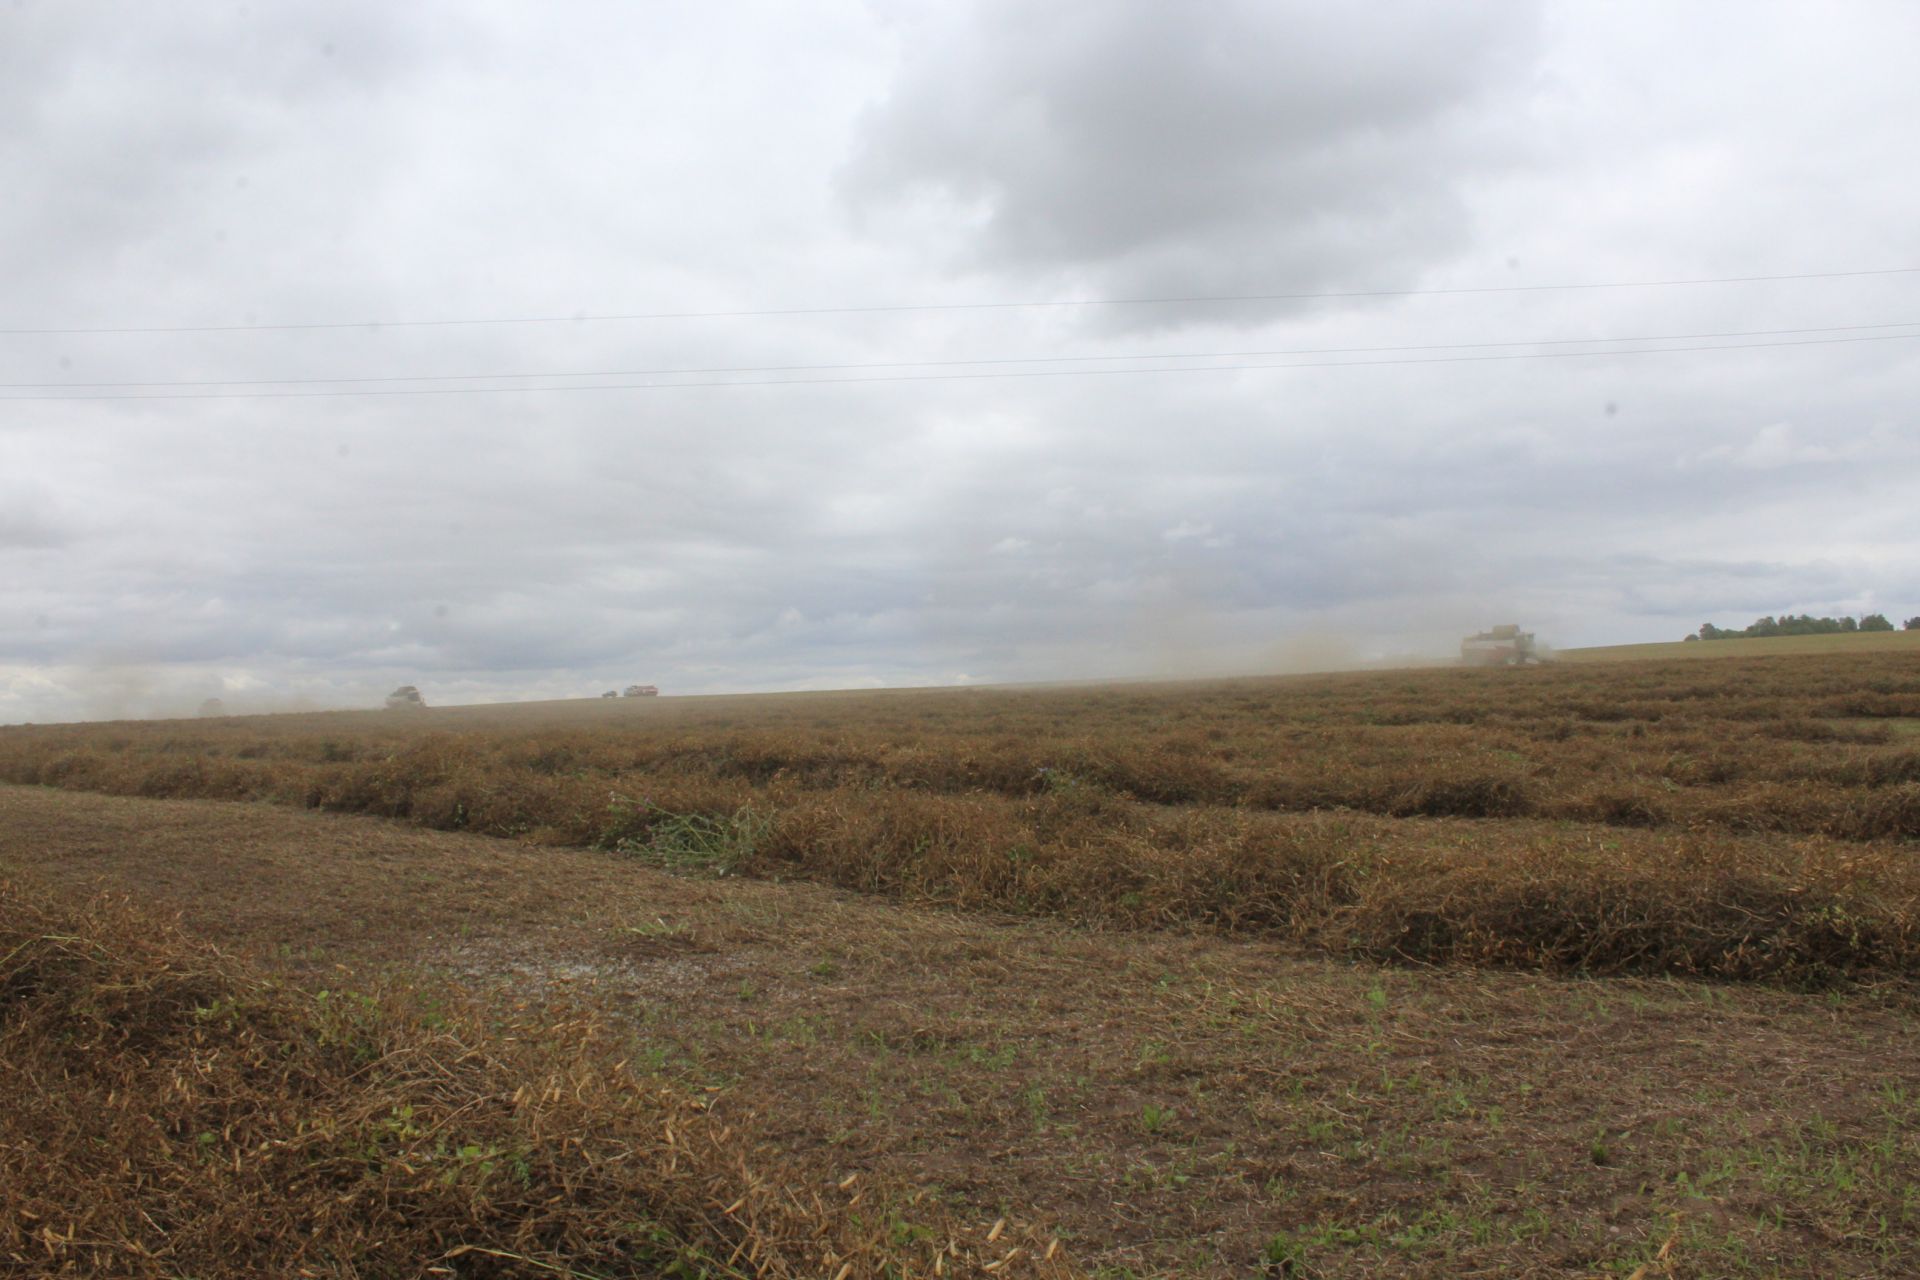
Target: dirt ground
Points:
(1173, 1102)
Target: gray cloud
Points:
(28, 521)
(1140, 149)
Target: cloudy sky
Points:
(1290, 388)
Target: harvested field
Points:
(1164, 1102)
(1748, 819)
(174, 1112)
(1550, 972)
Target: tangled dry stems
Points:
(170, 1112)
(1742, 818)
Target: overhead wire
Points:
(747, 313)
(929, 364)
(964, 377)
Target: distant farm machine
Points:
(641, 691)
(1503, 646)
(406, 698)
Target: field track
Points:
(1166, 1101)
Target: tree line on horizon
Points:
(1802, 624)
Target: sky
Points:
(763, 346)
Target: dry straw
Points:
(169, 1112)
(1748, 819)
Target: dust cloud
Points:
(1185, 642)
(118, 690)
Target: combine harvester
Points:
(1503, 646)
(406, 698)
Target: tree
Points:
(1801, 624)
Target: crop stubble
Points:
(1188, 1091)
(1742, 819)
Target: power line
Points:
(1196, 299)
(938, 364)
(962, 377)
